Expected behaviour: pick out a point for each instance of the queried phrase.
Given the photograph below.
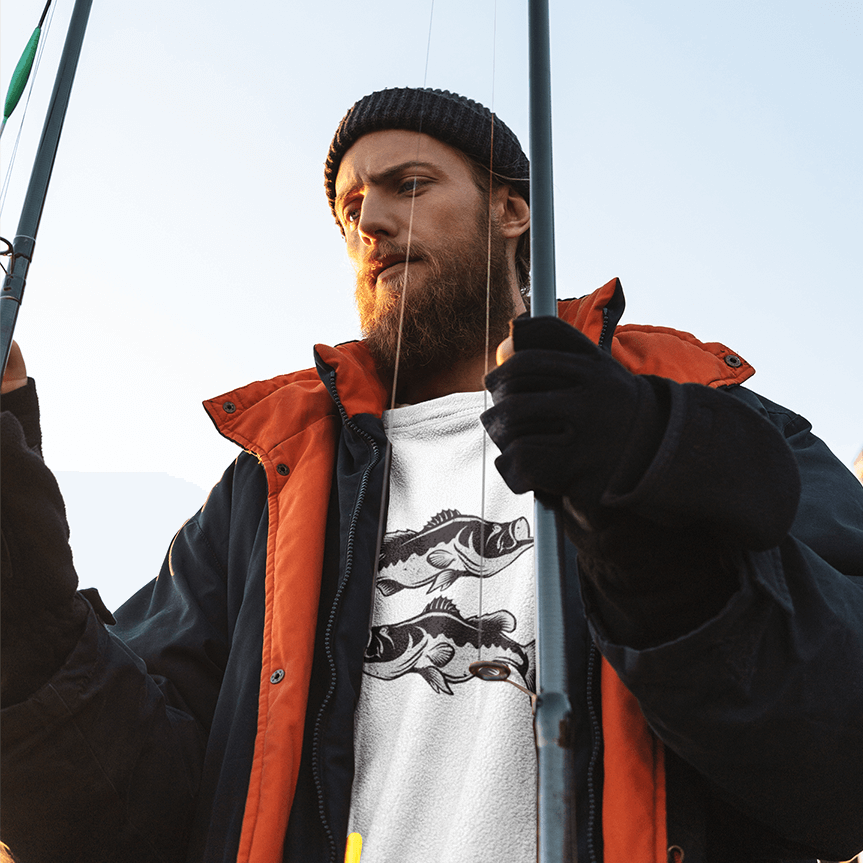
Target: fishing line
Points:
(411, 219)
(388, 450)
(49, 6)
(493, 670)
(487, 339)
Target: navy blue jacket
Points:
(146, 745)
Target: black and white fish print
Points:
(439, 645)
(450, 546)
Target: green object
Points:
(21, 73)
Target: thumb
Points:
(15, 375)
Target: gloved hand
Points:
(41, 618)
(570, 420)
(665, 484)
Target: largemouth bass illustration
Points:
(439, 645)
(450, 546)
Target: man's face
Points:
(416, 227)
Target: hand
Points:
(568, 418)
(15, 375)
(571, 421)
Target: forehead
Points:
(378, 152)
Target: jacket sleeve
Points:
(106, 757)
(765, 699)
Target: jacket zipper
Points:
(596, 749)
(361, 495)
(594, 806)
(601, 342)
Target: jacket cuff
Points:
(649, 584)
(720, 465)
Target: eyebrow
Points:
(383, 176)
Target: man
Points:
(292, 676)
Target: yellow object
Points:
(354, 848)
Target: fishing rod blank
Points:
(553, 719)
(34, 201)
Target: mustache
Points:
(384, 255)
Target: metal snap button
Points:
(229, 407)
(277, 676)
(734, 361)
(282, 470)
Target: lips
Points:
(388, 266)
(376, 267)
(386, 263)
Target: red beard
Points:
(444, 314)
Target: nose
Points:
(376, 220)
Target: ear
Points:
(514, 212)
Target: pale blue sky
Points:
(707, 154)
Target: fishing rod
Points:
(553, 718)
(21, 248)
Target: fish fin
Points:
(441, 654)
(444, 579)
(442, 517)
(530, 677)
(389, 586)
(442, 603)
(497, 621)
(440, 559)
(392, 539)
(435, 679)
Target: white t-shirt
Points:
(445, 762)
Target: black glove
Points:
(665, 484)
(41, 618)
(569, 420)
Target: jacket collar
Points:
(262, 414)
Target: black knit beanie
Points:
(453, 119)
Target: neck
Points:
(464, 376)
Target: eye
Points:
(411, 186)
(351, 214)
